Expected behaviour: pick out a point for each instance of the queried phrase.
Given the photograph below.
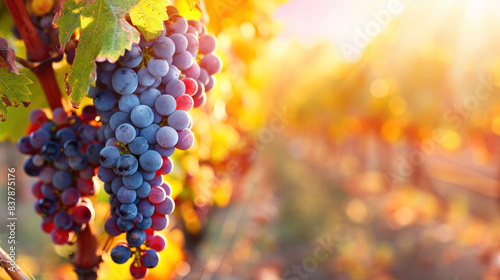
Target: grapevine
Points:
(140, 116)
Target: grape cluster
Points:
(143, 101)
(63, 154)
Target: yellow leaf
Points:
(148, 17)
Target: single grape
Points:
(145, 223)
(61, 180)
(37, 117)
(132, 58)
(150, 161)
(158, 243)
(167, 137)
(158, 67)
(159, 222)
(65, 134)
(51, 151)
(47, 205)
(171, 10)
(165, 105)
(124, 225)
(82, 214)
(85, 186)
(212, 81)
(207, 43)
(125, 133)
(59, 237)
(146, 208)
(128, 102)
(124, 81)
(128, 211)
(142, 116)
(119, 118)
(163, 47)
(59, 116)
(166, 167)
(149, 133)
(165, 207)
(185, 140)
(212, 63)
(133, 181)
(149, 97)
(176, 24)
(138, 272)
(184, 102)
(150, 258)
(144, 190)
(72, 148)
(146, 79)
(63, 220)
(193, 71)
(126, 195)
(180, 42)
(111, 227)
(120, 254)
(105, 174)
(135, 237)
(70, 197)
(203, 78)
(193, 42)
(24, 146)
(173, 74)
(104, 100)
(140, 144)
(38, 138)
(178, 120)
(157, 195)
(184, 60)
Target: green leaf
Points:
(148, 17)
(13, 90)
(105, 34)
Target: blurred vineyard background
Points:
(345, 140)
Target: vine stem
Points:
(87, 259)
(13, 271)
(36, 51)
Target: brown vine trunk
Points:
(86, 259)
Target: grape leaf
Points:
(193, 3)
(13, 90)
(148, 17)
(13, 86)
(104, 34)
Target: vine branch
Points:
(13, 271)
(36, 51)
